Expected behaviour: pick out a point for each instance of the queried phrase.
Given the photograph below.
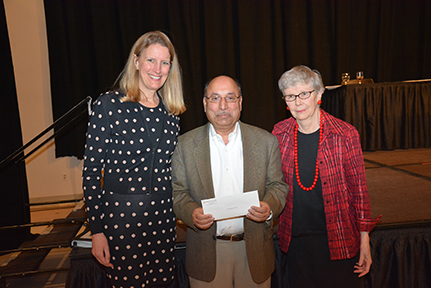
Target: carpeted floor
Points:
(399, 184)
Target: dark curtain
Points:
(400, 253)
(254, 41)
(391, 115)
(13, 182)
(401, 258)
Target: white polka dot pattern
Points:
(131, 146)
(143, 252)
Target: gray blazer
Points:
(192, 182)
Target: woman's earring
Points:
(287, 107)
(319, 102)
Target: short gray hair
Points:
(301, 75)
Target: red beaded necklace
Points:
(317, 160)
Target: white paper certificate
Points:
(230, 206)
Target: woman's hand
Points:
(364, 264)
(100, 249)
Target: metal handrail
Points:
(45, 223)
(12, 156)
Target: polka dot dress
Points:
(131, 146)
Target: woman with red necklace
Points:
(324, 227)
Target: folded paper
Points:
(230, 206)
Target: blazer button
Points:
(214, 237)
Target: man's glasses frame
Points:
(218, 98)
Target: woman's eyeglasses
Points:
(303, 95)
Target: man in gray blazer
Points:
(222, 158)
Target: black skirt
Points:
(310, 265)
(140, 229)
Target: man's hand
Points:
(201, 220)
(100, 249)
(259, 214)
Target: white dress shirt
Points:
(227, 167)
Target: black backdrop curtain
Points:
(390, 115)
(13, 182)
(254, 41)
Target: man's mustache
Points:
(222, 113)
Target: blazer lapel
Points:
(248, 144)
(202, 157)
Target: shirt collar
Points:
(233, 136)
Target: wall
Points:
(49, 179)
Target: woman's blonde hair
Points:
(171, 92)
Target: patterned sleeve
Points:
(94, 162)
(356, 178)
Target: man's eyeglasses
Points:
(217, 98)
(303, 95)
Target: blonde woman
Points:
(131, 136)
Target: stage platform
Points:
(399, 184)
